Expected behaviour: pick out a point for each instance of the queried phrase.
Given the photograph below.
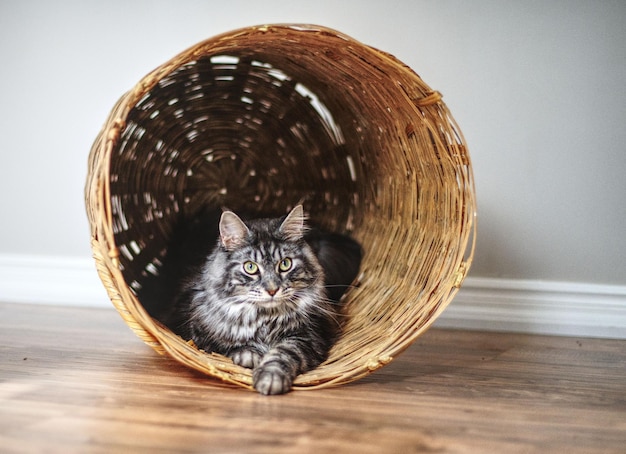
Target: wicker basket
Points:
(259, 119)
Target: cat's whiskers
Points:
(347, 287)
(320, 305)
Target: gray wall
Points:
(537, 88)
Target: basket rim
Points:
(107, 254)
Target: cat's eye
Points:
(250, 267)
(285, 264)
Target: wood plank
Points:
(78, 380)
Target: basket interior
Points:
(226, 131)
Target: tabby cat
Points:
(266, 293)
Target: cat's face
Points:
(269, 265)
(271, 275)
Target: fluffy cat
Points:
(266, 294)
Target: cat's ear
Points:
(293, 225)
(233, 231)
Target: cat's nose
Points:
(271, 291)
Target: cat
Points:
(265, 292)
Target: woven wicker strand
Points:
(259, 119)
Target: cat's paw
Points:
(271, 379)
(246, 357)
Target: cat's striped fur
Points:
(261, 297)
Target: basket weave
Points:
(260, 118)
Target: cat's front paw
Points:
(271, 379)
(246, 357)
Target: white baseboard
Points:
(65, 281)
(556, 308)
(538, 307)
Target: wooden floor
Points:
(78, 380)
